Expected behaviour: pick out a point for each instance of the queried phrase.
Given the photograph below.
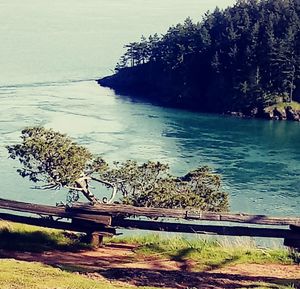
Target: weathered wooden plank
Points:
(260, 219)
(50, 223)
(295, 228)
(31, 208)
(124, 210)
(96, 213)
(293, 243)
(206, 229)
(52, 211)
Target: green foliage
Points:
(234, 59)
(151, 185)
(49, 157)
(283, 105)
(55, 161)
(208, 253)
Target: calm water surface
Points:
(51, 50)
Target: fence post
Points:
(95, 239)
(293, 243)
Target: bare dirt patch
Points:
(120, 262)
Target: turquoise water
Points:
(49, 55)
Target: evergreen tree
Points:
(240, 58)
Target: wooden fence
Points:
(103, 219)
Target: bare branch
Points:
(107, 183)
(113, 195)
(102, 181)
(74, 188)
(47, 187)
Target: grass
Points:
(205, 254)
(271, 286)
(21, 237)
(282, 105)
(33, 275)
(30, 275)
(208, 253)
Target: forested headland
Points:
(244, 59)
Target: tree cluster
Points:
(54, 161)
(244, 57)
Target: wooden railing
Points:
(95, 226)
(103, 219)
(125, 210)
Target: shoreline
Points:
(279, 112)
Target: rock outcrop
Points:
(287, 113)
(292, 114)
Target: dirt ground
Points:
(118, 262)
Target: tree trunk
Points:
(82, 183)
(292, 84)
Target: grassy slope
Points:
(209, 254)
(29, 275)
(206, 254)
(15, 236)
(23, 275)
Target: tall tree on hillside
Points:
(243, 57)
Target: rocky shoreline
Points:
(274, 113)
(127, 86)
(287, 113)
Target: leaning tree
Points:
(53, 161)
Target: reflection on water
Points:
(259, 160)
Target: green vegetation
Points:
(238, 59)
(28, 275)
(53, 160)
(31, 275)
(271, 286)
(203, 255)
(208, 253)
(14, 236)
(283, 105)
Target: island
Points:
(243, 60)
